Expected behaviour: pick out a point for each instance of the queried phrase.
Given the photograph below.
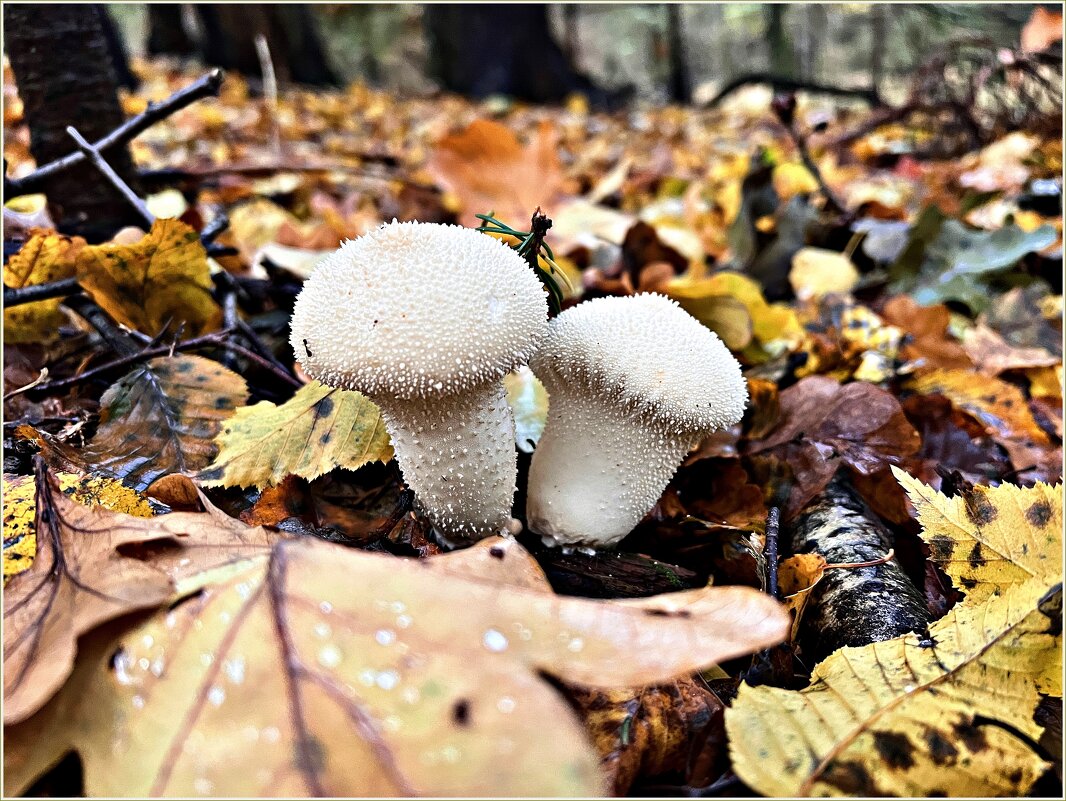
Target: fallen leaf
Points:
(47, 256)
(318, 429)
(817, 272)
(1043, 29)
(796, 577)
(928, 340)
(160, 418)
(491, 171)
(529, 402)
(992, 354)
(989, 539)
(77, 581)
(921, 715)
(358, 679)
(20, 511)
(160, 282)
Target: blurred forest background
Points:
(645, 52)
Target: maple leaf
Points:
(330, 671)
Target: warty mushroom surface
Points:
(633, 384)
(426, 319)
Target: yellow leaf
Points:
(999, 406)
(817, 272)
(162, 280)
(1045, 382)
(991, 538)
(912, 716)
(46, 256)
(316, 430)
(796, 577)
(793, 179)
(329, 671)
(529, 402)
(20, 536)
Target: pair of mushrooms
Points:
(426, 320)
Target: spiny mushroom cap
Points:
(649, 355)
(415, 310)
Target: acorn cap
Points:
(416, 310)
(648, 354)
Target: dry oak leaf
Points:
(992, 354)
(163, 280)
(20, 532)
(327, 671)
(318, 429)
(46, 256)
(920, 715)
(78, 580)
(987, 539)
(490, 170)
(1000, 407)
(160, 418)
(928, 339)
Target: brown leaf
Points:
(649, 731)
(1043, 29)
(992, 354)
(927, 327)
(491, 171)
(331, 671)
(824, 423)
(160, 418)
(78, 580)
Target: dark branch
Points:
(113, 177)
(35, 292)
(782, 84)
(207, 86)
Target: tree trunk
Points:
(484, 49)
(65, 76)
(878, 33)
(782, 58)
(680, 77)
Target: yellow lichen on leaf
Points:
(47, 256)
(162, 280)
(20, 538)
(912, 716)
(991, 538)
(316, 430)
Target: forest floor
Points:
(202, 592)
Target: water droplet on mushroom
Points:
(234, 669)
(326, 607)
(494, 641)
(385, 636)
(216, 695)
(387, 679)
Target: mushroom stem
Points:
(458, 455)
(582, 484)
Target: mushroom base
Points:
(597, 470)
(457, 453)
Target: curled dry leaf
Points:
(316, 430)
(159, 418)
(329, 671)
(988, 539)
(919, 715)
(163, 280)
(46, 256)
(928, 341)
(992, 354)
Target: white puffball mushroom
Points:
(425, 320)
(633, 384)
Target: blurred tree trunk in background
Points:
(484, 49)
(228, 39)
(778, 42)
(166, 31)
(680, 82)
(64, 70)
(570, 41)
(878, 34)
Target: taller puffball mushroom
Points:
(425, 320)
(633, 384)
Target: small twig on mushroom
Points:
(207, 86)
(773, 529)
(113, 177)
(530, 245)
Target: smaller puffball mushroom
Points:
(425, 320)
(633, 384)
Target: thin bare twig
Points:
(207, 86)
(113, 177)
(773, 529)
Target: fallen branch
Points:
(781, 84)
(207, 86)
(105, 169)
(34, 292)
